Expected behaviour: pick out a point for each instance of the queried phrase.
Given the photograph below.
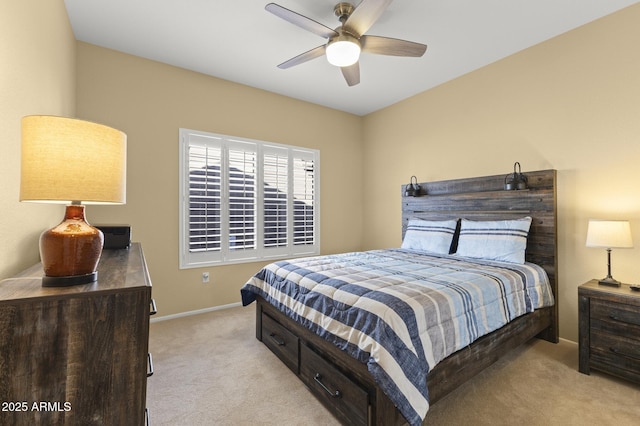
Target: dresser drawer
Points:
(281, 341)
(334, 388)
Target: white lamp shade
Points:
(343, 51)
(66, 160)
(609, 234)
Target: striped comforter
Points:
(400, 311)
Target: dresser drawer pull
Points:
(149, 365)
(147, 420)
(154, 308)
(318, 379)
(277, 340)
(618, 352)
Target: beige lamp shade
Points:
(68, 160)
(609, 234)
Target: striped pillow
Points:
(502, 240)
(429, 235)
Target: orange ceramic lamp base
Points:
(71, 250)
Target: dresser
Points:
(609, 330)
(77, 355)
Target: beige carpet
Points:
(211, 370)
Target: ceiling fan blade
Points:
(365, 15)
(300, 20)
(351, 74)
(391, 46)
(303, 57)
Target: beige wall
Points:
(37, 76)
(150, 102)
(572, 104)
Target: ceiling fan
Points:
(345, 43)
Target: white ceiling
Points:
(241, 42)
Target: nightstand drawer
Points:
(616, 346)
(615, 354)
(618, 313)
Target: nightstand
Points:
(609, 330)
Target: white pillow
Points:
(429, 235)
(502, 240)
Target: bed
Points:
(388, 366)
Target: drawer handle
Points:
(278, 341)
(149, 365)
(147, 420)
(618, 352)
(616, 318)
(318, 379)
(154, 308)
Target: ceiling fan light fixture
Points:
(343, 51)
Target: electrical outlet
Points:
(205, 277)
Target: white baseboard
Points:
(196, 312)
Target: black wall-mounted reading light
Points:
(412, 189)
(516, 180)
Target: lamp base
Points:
(71, 250)
(69, 280)
(610, 282)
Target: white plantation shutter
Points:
(203, 202)
(275, 197)
(241, 174)
(304, 204)
(245, 200)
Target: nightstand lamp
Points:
(609, 234)
(74, 162)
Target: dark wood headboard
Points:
(484, 198)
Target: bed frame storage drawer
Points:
(346, 399)
(281, 341)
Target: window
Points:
(243, 200)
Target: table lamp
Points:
(75, 162)
(609, 234)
